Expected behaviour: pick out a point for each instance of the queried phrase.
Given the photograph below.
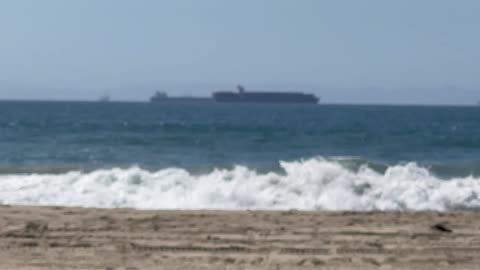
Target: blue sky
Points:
(369, 51)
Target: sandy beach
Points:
(77, 238)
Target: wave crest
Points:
(313, 184)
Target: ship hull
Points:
(259, 97)
(181, 99)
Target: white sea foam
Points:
(310, 184)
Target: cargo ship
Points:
(242, 96)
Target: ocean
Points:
(239, 156)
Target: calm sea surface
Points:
(43, 136)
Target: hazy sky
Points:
(369, 51)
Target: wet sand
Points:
(76, 238)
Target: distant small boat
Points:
(105, 98)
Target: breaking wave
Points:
(313, 184)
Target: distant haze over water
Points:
(371, 51)
(445, 95)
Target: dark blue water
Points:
(61, 136)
